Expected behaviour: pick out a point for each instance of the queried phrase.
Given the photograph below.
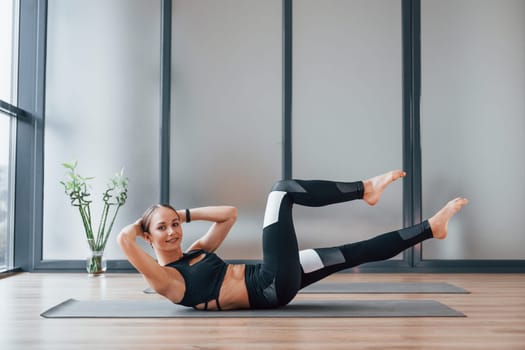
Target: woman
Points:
(200, 279)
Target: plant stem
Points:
(88, 212)
(111, 225)
(102, 226)
(87, 226)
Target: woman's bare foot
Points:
(439, 222)
(375, 186)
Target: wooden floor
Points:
(495, 318)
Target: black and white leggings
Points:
(285, 270)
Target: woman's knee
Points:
(288, 186)
(287, 294)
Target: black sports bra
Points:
(203, 279)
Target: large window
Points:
(226, 114)
(8, 25)
(5, 203)
(7, 45)
(473, 125)
(345, 93)
(102, 109)
(89, 86)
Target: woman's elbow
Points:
(233, 213)
(123, 240)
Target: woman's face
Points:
(165, 230)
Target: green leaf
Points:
(78, 189)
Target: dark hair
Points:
(146, 217)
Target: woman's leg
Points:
(321, 262)
(281, 271)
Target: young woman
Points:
(200, 279)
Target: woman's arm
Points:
(223, 218)
(156, 276)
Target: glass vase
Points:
(96, 263)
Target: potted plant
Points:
(78, 190)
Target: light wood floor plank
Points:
(495, 318)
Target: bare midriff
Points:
(233, 293)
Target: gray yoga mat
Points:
(312, 308)
(376, 288)
(385, 288)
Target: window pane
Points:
(8, 59)
(6, 204)
(102, 108)
(7, 49)
(226, 113)
(347, 113)
(473, 125)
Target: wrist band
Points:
(188, 217)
